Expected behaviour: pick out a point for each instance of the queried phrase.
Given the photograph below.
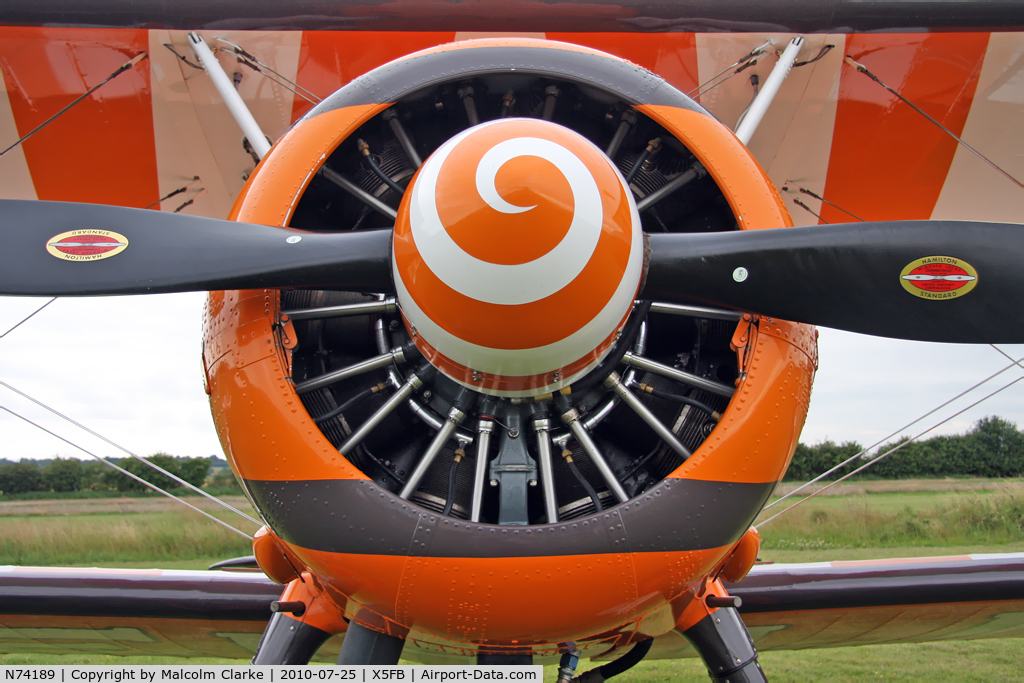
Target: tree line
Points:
(993, 448)
(66, 475)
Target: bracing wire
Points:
(173, 193)
(1008, 356)
(864, 70)
(251, 61)
(889, 452)
(125, 450)
(126, 472)
(808, 210)
(809, 193)
(281, 81)
(124, 67)
(1014, 363)
(26, 318)
(742, 63)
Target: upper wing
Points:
(160, 127)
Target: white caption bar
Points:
(136, 673)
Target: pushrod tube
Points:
(358, 192)
(687, 176)
(542, 426)
(411, 385)
(483, 445)
(403, 138)
(455, 417)
(343, 310)
(642, 363)
(397, 355)
(696, 311)
(629, 398)
(572, 419)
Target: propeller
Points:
(168, 252)
(945, 281)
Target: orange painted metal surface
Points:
(481, 600)
(888, 162)
(697, 608)
(254, 406)
(743, 557)
(283, 176)
(266, 433)
(271, 558)
(100, 151)
(754, 200)
(444, 601)
(758, 432)
(321, 611)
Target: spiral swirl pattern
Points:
(518, 253)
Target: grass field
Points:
(866, 520)
(119, 532)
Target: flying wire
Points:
(1014, 363)
(808, 210)
(804, 190)
(281, 81)
(743, 62)
(26, 318)
(1008, 356)
(864, 70)
(172, 193)
(189, 202)
(125, 450)
(124, 471)
(251, 62)
(124, 67)
(889, 452)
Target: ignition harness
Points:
(365, 393)
(459, 454)
(567, 454)
(365, 150)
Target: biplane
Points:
(510, 329)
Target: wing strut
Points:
(235, 103)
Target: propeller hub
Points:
(518, 253)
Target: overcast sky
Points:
(130, 368)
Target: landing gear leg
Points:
(366, 646)
(724, 644)
(288, 641)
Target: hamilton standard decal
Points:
(939, 277)
(87, 245)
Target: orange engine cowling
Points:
(517, 450)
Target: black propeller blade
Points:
(175, 253)
(943, 281)
(872, 278)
